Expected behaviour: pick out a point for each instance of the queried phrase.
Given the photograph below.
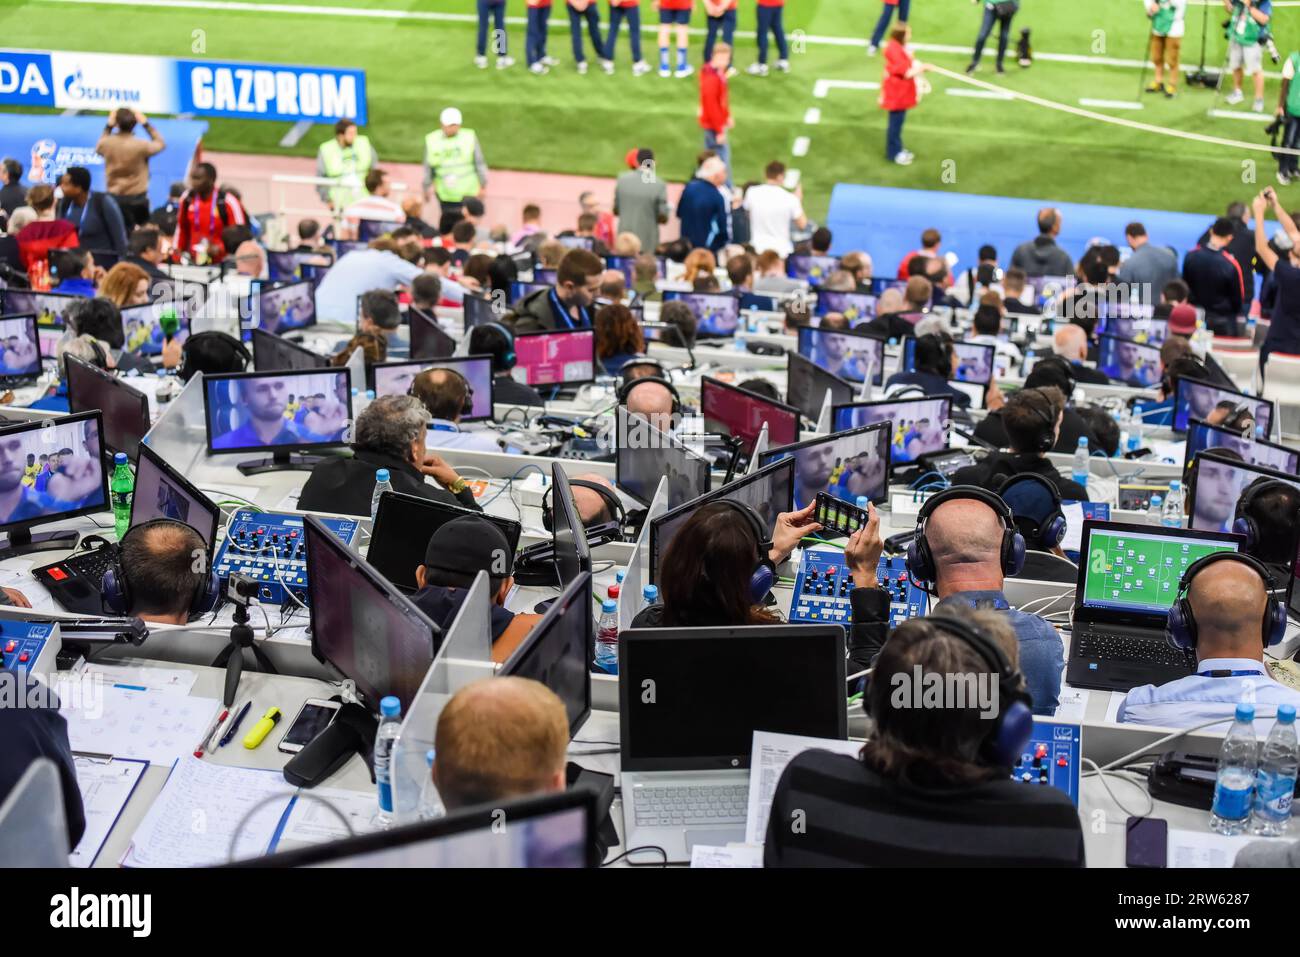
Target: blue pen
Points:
(234, 725)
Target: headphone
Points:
(1050, 532)
(641, 359)
(920, 560)
(1046, 439)
(1062, 365)
(626, 389)
(763, 577)
(509, 359)
(1180, 626)
(466, 406)
(612, 503)
(1244, 523)
(115, 589)
(234, 348)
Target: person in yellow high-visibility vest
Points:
(454, 168)
(348, 157)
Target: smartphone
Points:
(1147, 842)
(839, 517)
(314, 717)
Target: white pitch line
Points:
(822, 87)
(978, 94)
(1111, 104)
(1240, 115)
(813, 116)
(801, 144)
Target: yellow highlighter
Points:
(263, 727)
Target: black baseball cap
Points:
(465, 546)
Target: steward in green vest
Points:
(348, 157)
(1288, 112)
(453, 162)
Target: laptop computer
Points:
(686, 739)
(1128, 581)
(160, 492)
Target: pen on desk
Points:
(234, 725)
(207, 738)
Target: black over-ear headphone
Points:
(626, 389)
(763, 576)
(1180, 626)
(1244, 523)
(115, 587)
(467, 405)
(1047, 438)
(235, 349)
(920, 560)
(508, 358)
(612, 503)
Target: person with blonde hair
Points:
(126, 285)
(699, 262)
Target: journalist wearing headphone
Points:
(495, 340)
(1225, 615)
(448, 395)
(931, 787)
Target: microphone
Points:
(169, 322)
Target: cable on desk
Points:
(237, 501)
(1150, 748)
(1101, 776)
(635, 850)
(299, 794)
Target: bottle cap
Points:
(609, 605)
(390, 707)
(1246, 711)
(119, 459)
(381, 475)
(1175, 485)
(1286, 713)
(1156, 500)
(370, 394)
(620, 575)
(428, 757)
(1083, 441)
(650, 592)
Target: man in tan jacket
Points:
(126, 163)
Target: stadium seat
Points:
(1241, 363)
(1282, 385)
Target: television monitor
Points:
(344, 246)
(369, 230)
(575, 242)
(363, 625)
(47, 307)
(395, 378)
(143, 326)
(520, 289)
(717, 314)
(284, 307)
(545, 277)
(162, 492)
(813, 270)
(919, 425)
(270, 352)
(844, 353)
(856, 307)
(428, 341)
(479, 310)
(125, 410)
(560, 649)
(280, 412)
(625, 265)
(844, 464)
(768, 491)
(1202, 436)
(403, 526)
(644, 455)
(20, 347)
(1195, 399)
(563, 357)
(740, 414)
(1143, 329)
(287, 266)
(975, 361)
(1129, 362)
(572, 556)
(50, 470)
(808, 385)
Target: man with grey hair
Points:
(702, 209)
(389, 435)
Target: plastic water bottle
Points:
(1275, 779)
(649, 595)
(1251, 322)
(382, 485)
(123, 487)
(1155, 510)
(1081, 462)
(390, 726)
(607, 637)
(1235, 783)
(738, 341)
(1171, 516)
(430, 804)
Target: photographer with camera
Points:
(1247, 32)
(1288, 115)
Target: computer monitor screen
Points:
(560, 649)
(279, 309)
(692, 723)
(544, 277)
(395, 378)
(814, 270)
(716, 313)
(372, 229)
(556, 358)
(1137, 568)
(624, 264)
(270, 353)
(479, 310)
(143, 326)
(975, 361)
(808, 387)
(287, 266)
(846, 465)
(738, 413)
(843, 353)
(769, 492)
(1143, 329)
(520, 289)
(344, 246)
(575, 242)
(51, 469)
(162, 492)
(572, 556)
(1195, 399)
(428, 341)
(1129, 362)
(403, 526)
(645, 455)
(283, 410)
(856, 307)
(920, 425)
(21, 345)
(47, 307)
(1201, 436)
(361, 624)
(125, 410)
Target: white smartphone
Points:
(314, 717)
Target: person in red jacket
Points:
(674, 13)
(203, 213)
(898, 91)
(715, 105)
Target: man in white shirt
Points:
(446, 393)
(362, 270)
(1228, 599)
(378, 205)
(773, 209)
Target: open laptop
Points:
(686, 738)
(160, 492)
(1128, 581)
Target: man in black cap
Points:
(456, 553)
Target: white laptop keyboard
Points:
(668, 805)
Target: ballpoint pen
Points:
(207, 738)
(234, 725)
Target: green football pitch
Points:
(418, 54)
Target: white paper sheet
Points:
(105, 788)
(192, 821)
(1204, 848)
(733, 855)
(158, 728)
(770, 754)
(1072, 705)
(1112, 707)
(178, 681)
(1073, 512)
(310, 823)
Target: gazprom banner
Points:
(99, 82)
(47, 145)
